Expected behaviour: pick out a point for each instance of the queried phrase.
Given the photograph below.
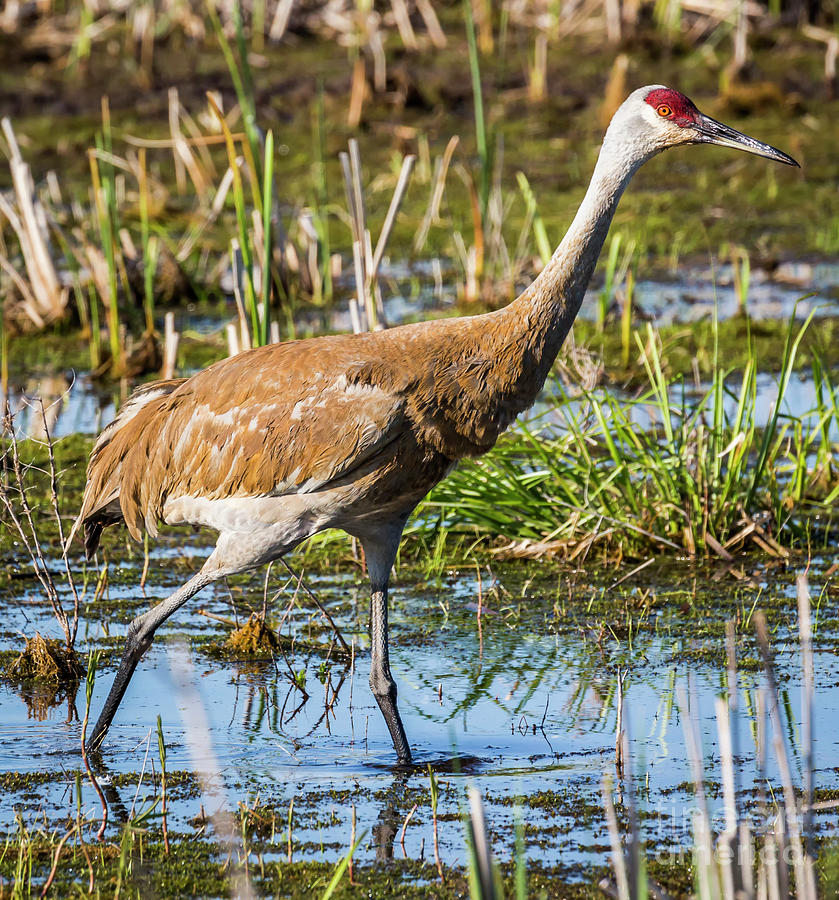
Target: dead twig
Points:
(23, 520)
(310, 594)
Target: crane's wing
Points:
(290, 418)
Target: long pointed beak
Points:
(713, 132)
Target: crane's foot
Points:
(386, 698)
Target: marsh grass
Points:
(761, 845)
(702, 476)
(359, 26)
(492, 258)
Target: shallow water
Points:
(695, 293)
(799, 401)
(527, 700)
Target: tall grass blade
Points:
(480, 845)
(543, 245)
(793, 340)
(478, 100)
(242, 78)
(341, 868)
(267, 234)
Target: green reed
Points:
(240, 73)
(148, 244)
(478, 100)
(543, 245)
(321, 217)
(342, 866)
(104, 191)
(259, 160)
(267, 234)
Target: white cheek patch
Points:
(652, 117)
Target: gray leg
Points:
(381, 681)
(380, 556)
(138, 640)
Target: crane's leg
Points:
(381, 554)
(138, 640)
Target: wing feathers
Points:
(279, 420)
(100, 503)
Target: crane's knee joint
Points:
(138, 639)
(383, 685)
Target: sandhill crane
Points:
(352, 431)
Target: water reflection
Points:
(527, 703)
(70, 405)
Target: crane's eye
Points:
(664, 111)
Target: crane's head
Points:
(655, 117)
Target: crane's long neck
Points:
(547, 308)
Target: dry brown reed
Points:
(41, 298)
(482, 862)
(367, 308)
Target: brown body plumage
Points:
(378, 418)
(276, 444)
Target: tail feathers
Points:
(92, 535)
(102, 504)
(93, 528)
